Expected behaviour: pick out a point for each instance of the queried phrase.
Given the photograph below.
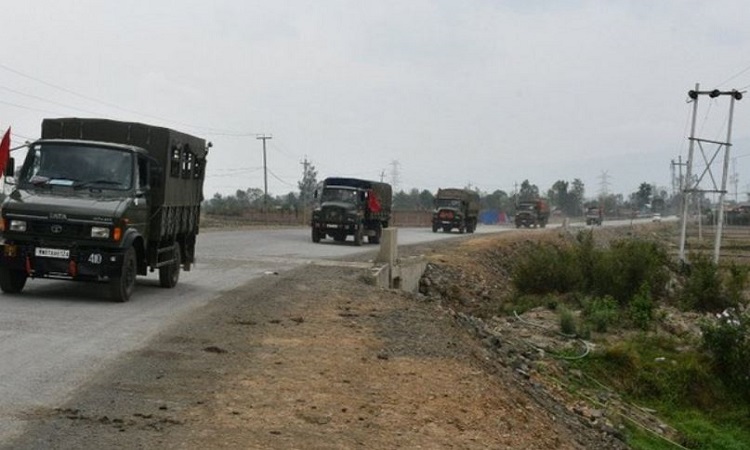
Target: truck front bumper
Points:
(75, 262)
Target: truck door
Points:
(139, 216)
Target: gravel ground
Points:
(316, 358)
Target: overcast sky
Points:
(439, 93)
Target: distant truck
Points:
(101, 200)
(594, 216)
(532, 213)
(455, 208)
(351, 207)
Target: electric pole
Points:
(691, 188)
(263, 137)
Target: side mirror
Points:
(10, 168)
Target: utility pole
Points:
(263, 137)
(689, 188)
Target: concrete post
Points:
(389, 254)
(388, 246)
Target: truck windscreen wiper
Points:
(93, 183)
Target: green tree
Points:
(642, 196)
(307, 184)
(528, 191)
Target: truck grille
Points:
(56, 229)
(446, 214)
(333, 215)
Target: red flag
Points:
(4, 151)
(372, 202)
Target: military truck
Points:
(101, 200)
(594, 215)
(455, 208)
(351, 207)
(532, 213)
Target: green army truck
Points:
(455, 208)
(351, 207)
(532, 213)
(101, 200)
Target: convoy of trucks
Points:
(455, 208)
(101, 200)
(351, 207)
(532, 213)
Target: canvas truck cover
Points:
(383, 191)
(181, 156)
(470, 197)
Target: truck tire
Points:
(169, 275)
(359, 236)
(315, 235)
(121, 286)
(12, 281)
(435, 227)
(376, 238)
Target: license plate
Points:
(332, 225)
(52, 252)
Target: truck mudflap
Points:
(58, 261)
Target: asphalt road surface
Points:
(57, 334)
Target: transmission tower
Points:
(604, 184)
(395, 174)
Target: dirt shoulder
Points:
(314, 359)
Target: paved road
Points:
(56, 334)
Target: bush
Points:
(545, 269)
(727, 339)
(736, 283)
(641, 308)
(601, 312)
(567, 321)
(702, 289)
(621, 271)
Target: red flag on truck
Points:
(372, 202)
(4, 151)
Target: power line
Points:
(207, 130)
(735, 76)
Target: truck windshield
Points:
(77, 165)
(448, 203)
(339, 195)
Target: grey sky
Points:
(482, 92)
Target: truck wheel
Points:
(435, 228)
(170, 274)
(121, 287)
(358, 236)
(315, 235)
(375, 239)
(12, 281)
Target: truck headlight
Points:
(100, 232)
(18, 225)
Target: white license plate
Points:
(332, 225)
(52, 252)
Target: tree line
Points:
(566, 197)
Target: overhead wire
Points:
(208, 130)
(746, 69)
